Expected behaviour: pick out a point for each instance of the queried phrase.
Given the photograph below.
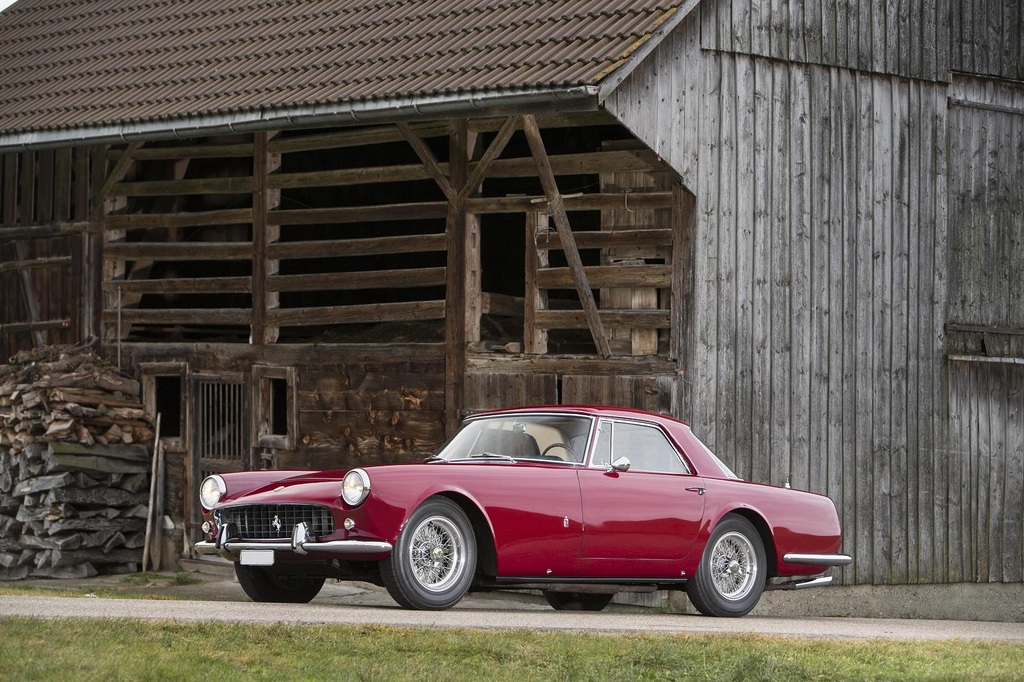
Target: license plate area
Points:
(256, 557)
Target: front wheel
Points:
(732, 571)
(263, 585)
(434, 560)
(577, 601)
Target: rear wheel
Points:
(732, 571)
(434, 560)
(577, 601)
(263, 585)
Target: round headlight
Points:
(355, 487)
(211, 490)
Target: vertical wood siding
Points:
(820, 289)
(907, 38)
(986, 222)
(987, 37)
(987, 446)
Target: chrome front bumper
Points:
(301, 543)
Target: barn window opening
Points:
(275, 411)
(168, 405)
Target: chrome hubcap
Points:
(733, 566)
(437, 553)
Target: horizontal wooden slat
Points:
(179, 251)
(502, 304)
(608, 276)
(10, 234)
(633, 319)
(183, 285)
(182, 316)
(607, 239)
(155, 188)
(385, 279)
(214, 151)
(55, 262)
(565, 164)
(352, 137)
(359, 214)
(581, 202)
(354, 314)
(416, 243)
(134, 221)
(15, 327)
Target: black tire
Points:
(263, 585)
(434, 560)
(577, 601)
(732, 572)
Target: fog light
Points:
(349, 524)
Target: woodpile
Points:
(74, 466)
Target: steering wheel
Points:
(559, 445)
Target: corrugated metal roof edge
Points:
(446, 105)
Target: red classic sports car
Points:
(577, 502)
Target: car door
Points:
(643, 520)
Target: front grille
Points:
(275, 521)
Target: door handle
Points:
(695, 489)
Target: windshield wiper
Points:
(492, 455)
(435, 458)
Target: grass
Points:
(69, 649)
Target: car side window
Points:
(646, 447)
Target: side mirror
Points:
(621, 464)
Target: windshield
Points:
(556, 438)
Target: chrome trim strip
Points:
(800, 584)
(231, 549)
(818, 559)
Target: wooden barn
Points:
(319, 232)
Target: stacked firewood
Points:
(74, 466)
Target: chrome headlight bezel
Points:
(355, 487)
(211, 490)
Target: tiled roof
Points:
(79, 63)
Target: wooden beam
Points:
(360, 214)
(337, 281)
(11, 234)
(43, 325)
(572, 254)
(413, 243)
(494, 150)
(182, 285)
(457, 283)
(535, 338)
(36, 263)
(577, 319)
(580, 202)
(28, 290)
(117, 173)
(428, 159)
(150, 221)
(610, 239)
(181, 316)
(179, 251)
(358, 314)
(264, 200)
(608, 276)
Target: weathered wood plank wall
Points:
(820, 294)
(986, 220)
(987, 37)
(908, 38)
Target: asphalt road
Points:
(485, 613)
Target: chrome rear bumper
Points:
(818, 559)
(300, 543)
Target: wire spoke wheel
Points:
(733, 566)
(732, 571)
(437, 553)
(433, 563)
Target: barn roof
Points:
(89, 69)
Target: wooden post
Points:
(535, 339)
(264, 200)
(456, 281)
(561, 218)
